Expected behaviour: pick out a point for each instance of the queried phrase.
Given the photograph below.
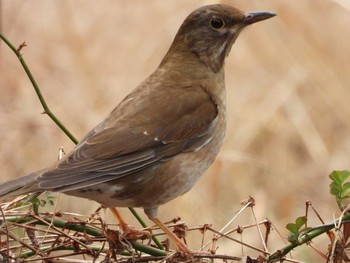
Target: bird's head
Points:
(210, 31)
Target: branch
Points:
(37, 89)
(307, 237)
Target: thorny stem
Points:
(306, 237)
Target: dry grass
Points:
(287, 87)
(27, 235)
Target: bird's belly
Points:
(155, 185)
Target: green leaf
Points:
(292, 228)
(300, 221)
(346, 186)
(339, 188)
(335, 192)
(296, 229)
(339, 176)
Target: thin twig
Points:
(4, 226)
(37, 89)
(259, 230)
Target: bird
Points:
(162, 136)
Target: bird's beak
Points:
(253, 17)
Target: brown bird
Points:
(164, 135)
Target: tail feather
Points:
(23, 185)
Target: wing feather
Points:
(140, 132)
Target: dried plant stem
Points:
(78, 227)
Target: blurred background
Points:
(288, 92)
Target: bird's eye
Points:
(217, 23)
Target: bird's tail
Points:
(23, 185)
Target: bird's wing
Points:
(141, 131)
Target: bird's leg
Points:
(152, 215)
(129, 232)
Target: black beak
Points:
(254, 17)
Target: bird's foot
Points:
(130, 232)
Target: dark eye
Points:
(217, 23)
